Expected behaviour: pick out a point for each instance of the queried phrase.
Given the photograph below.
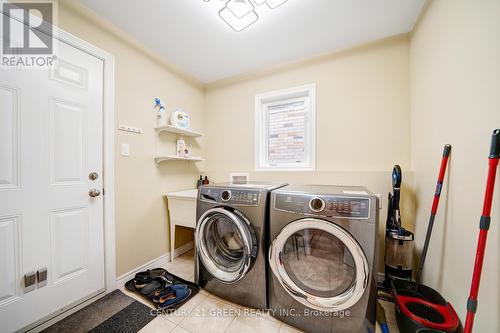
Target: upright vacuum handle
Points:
(397, 177)
(495, 144)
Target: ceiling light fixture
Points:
(240, 8)
(238, 24)
(271, 3)
(240, 14)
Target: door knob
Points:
(93, 175)
(94, 193)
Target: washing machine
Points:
(322, 255)
(231, 241)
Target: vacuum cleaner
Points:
(420, 308)
(398, 240)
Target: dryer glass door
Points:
(320, 264)
(226, 244)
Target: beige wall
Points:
(455, 94)
(141, 218)
(363, 119)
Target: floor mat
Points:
(115, 312)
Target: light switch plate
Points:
(125, 149)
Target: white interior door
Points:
(50, 141)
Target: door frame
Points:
(108, 146)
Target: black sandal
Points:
(142, 279)
(158, 283)
(157, 272)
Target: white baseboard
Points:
(161, 261)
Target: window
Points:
(285, 129)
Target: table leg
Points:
(172, 242)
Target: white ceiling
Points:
(190, 35)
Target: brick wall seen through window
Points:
(287, 125)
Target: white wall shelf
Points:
(178, 130)
(160, 159)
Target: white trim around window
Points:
(304, 94)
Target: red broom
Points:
(484, 225)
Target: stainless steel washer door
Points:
(226, 244)
(319, 264)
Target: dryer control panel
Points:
(241, 197)
(329, 206)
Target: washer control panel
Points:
(329, 206)
(244, 197)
